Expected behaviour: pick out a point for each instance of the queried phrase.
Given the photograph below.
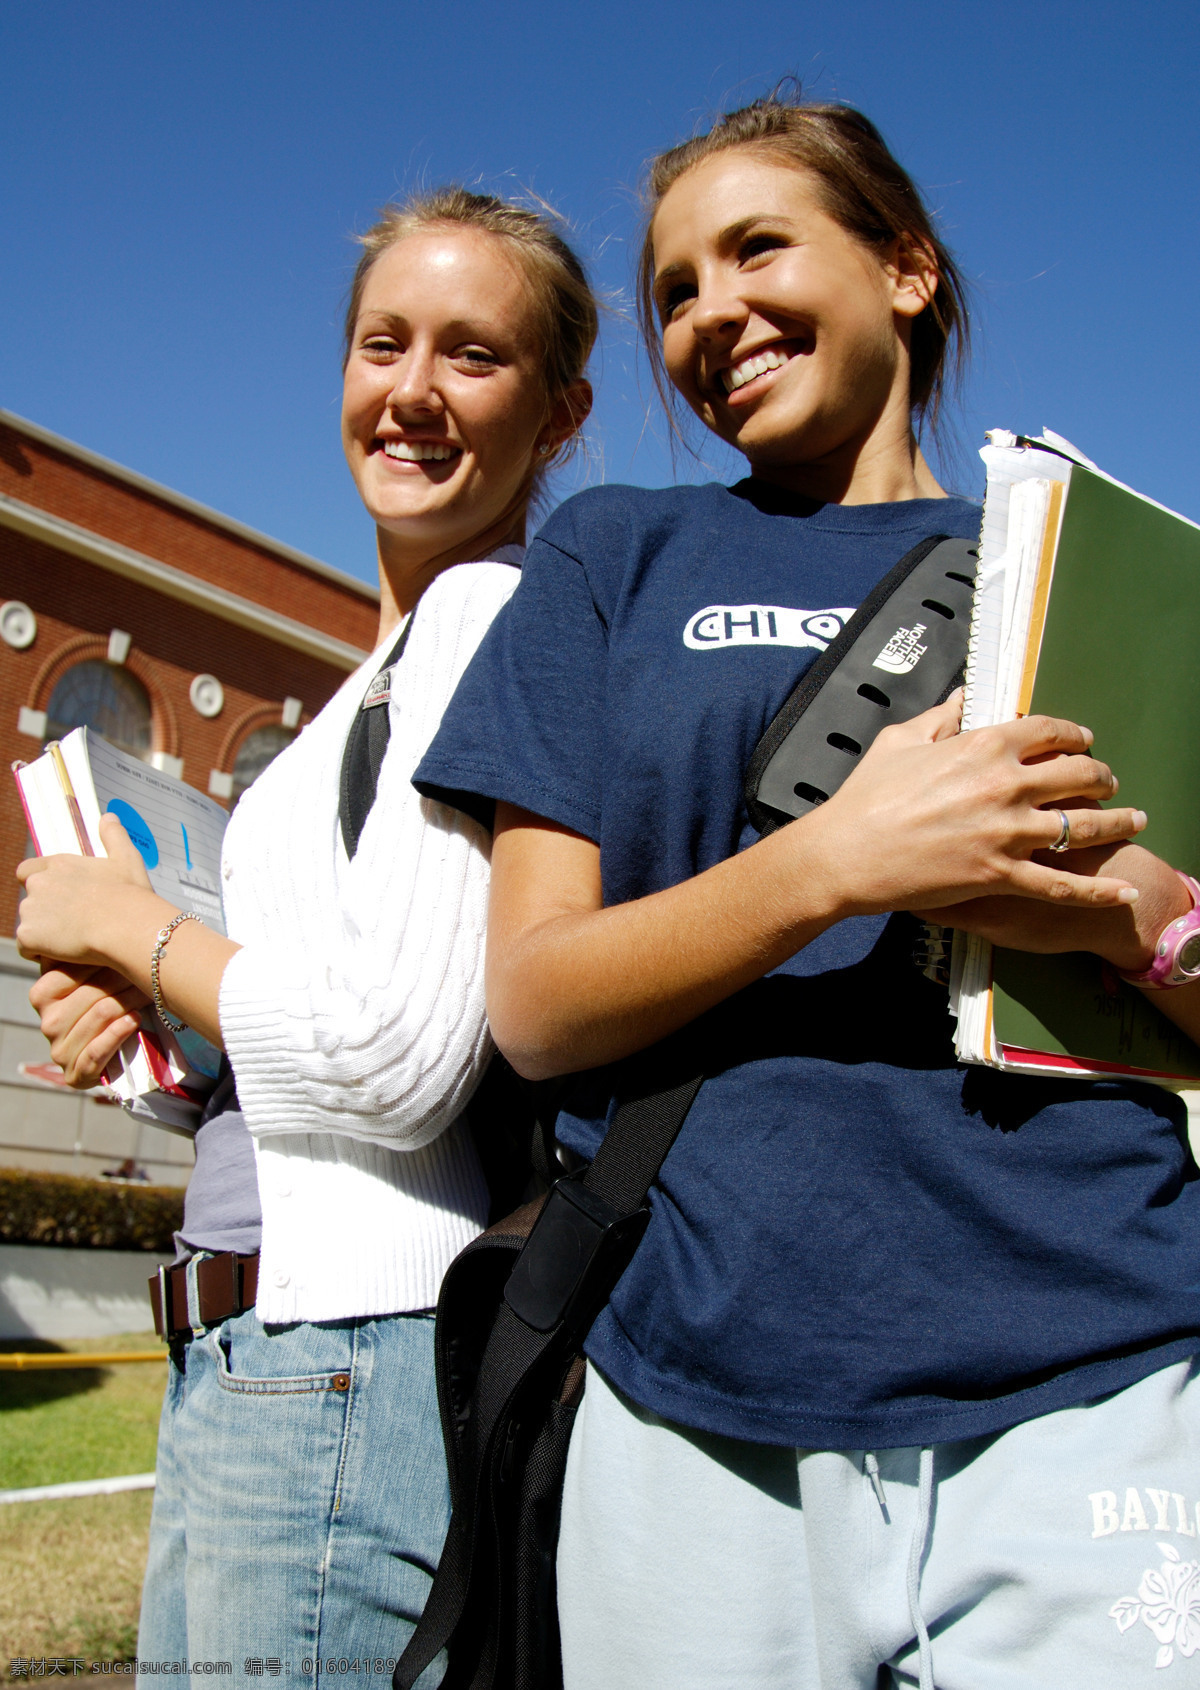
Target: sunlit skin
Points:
(746, 261)
(446, 354)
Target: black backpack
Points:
(515, 1308)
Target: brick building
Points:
(182, 635)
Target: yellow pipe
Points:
(19, 1361)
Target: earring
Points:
(545, 449)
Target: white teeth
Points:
(756, 365)
(419, 451)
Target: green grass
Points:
(71, 1578)
(71, 1571)
(96, 1423)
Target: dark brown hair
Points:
(563, 301)
(861, 187)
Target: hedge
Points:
(93, 1213)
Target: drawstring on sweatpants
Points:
(916, 1554)
(871, 1469)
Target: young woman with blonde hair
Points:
(301, 1501)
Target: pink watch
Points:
(1177, 951)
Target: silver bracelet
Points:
(167, 1019)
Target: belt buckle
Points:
(160, 1304)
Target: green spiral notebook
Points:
(1087, 607)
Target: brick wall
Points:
(77, 604)
(54, 481)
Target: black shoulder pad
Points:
(903, 651)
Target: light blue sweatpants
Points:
(1063, 1554)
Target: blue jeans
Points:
(301, 1502)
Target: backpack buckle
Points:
(578, 1249)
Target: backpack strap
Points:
(586, 1234)
(903, 650)
(366, 747)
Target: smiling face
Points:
(785, 334)
(444, 399)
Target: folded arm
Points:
(572, 984)
(1124, 937)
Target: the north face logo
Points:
(903, 651)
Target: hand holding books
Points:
(87, 1014)
(97, 897)
(71, 903)
(932, 813)
(1123, 937)
(103, 911)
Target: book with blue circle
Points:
(177, 831)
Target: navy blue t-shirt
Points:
(854, 1242)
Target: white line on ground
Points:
(86, 1487)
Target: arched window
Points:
(255, 752)
(105, 697)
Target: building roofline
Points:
(177, 584)
(193, 507)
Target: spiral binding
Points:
(931, 952)
(969, 674)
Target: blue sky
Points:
(181, 186)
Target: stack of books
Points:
(162, 1076)
(1087, 606)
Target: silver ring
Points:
(1062, 843)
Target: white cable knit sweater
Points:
(354, 1014)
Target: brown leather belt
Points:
(225, 1285)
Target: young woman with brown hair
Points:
(900, 1332)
